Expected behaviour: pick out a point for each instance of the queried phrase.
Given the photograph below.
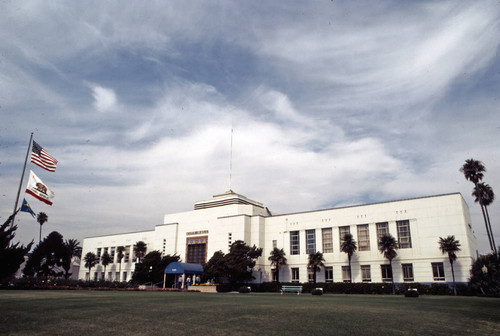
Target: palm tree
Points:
(450, 245)
(119, 257)
(315, 263)
(74, 248)
(106, 260)
(277, 259)
(140, 250)
(473, 171)
(90, 261)
(348, 246)
(388, 248)
(487, 195)
(41, 218)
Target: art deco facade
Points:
(215, 224)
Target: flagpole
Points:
(22, 177)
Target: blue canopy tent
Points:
(182, 268)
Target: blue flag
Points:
(26, 208)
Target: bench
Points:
(291, 289)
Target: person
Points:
(188, 282)
(179, 281)
(198, 280)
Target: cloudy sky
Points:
(332, 103)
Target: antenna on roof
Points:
(231, 160)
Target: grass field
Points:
(122, 313)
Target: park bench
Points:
(291, 289)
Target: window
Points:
(328, 274)
(229, 240)
(294, 242)
(342, 231)
(363, 238)
(196, 250)
(127, 254)
(438, 271)
(386, 272)
(112, 255)
(366, 274)
(407, 272)
(404, 237)
(164, 246)
(99, 254)
(95, 276)
(346, 274)
(124, 276)
(327, 240)
(382, 230)
(117, 276)
(110, 274)
(275, 244)
(310, 275)
(295, 274)
(310, 241)
(273, 274)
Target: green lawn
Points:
(122, 313)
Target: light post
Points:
(150, 280)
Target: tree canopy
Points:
(50, 258)
(11, 255)
(152, 267)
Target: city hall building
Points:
(216, 223)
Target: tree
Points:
(315, 263)
(90, 261)
(49, 257)
(73, 250)
(473, 171)
(240, 260)
(11, 256)
(119, 257)
(388, 248)
(152, 268)
(348, 246)
(487, 195)
(105, 261)
(450, 245)
(277, 259)
(41, 218)
(215, 268)
(140, 250)
(485, 273)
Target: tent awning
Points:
(183, 268)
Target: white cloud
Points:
(104, 98)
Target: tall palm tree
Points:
(119, 257)
(277, 259)
(388, 248)
(41, 218)
(473, 171)
(140, 250)
(349, 246)
(450, 245)
(105, 261)
(484, 191)
(90, 261)
(315, 263)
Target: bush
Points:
(317, 291)
(244, 289)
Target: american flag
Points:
(43, 159)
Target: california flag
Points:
(39, 190)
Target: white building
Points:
(215, 224)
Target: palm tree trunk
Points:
(120, 272)
(392, 278)
(480, 197)
(277, 274)
(491, 231)
(350, 272)
(453, 275)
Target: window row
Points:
(363, 239)
(366, 274)
(113, 252)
